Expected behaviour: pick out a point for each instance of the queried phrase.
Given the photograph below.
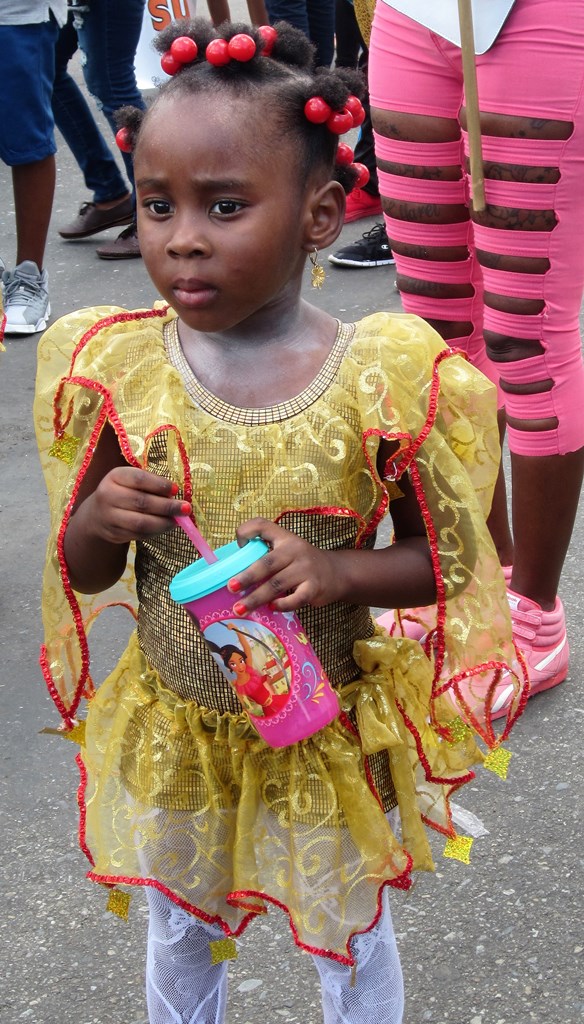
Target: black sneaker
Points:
(371, 250)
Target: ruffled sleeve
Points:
(88, 362)
(441, 411)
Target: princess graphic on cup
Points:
(266, 656)
(257, 665)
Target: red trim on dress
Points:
(235, 899)
(81, 789)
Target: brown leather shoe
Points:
(91, 219)
(125, 247)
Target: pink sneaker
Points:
(542, 639)
(361, 204)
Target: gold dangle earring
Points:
(317, 274)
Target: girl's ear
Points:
(324, 216)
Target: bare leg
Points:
(257, 12)
(219, 11)
(441, 292)
(34, 188)
(498, 521)
(545, 502)
(545, 489)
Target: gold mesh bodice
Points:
(173, 644)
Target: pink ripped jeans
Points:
(506, 286)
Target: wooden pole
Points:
(473, 121)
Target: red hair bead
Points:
(241, 47)
(317, 110)
(124, 140)
(345, 154)
(217, 52)
(269, 36)
(169, 64)
(362, 175)
(356, 109)
(340, 122)
(184, 49)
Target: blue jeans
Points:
(78, 127)
(107, 33)
(316, 18)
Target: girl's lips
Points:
(194, 294)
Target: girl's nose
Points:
(187, 239)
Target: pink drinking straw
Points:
(197, 538)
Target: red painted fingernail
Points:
(234, 586)
(185, 508)
(239, 608)
(272, 607)
(174, 489)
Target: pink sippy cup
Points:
(265, 655)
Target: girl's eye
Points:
(160, 207)
(225, 207)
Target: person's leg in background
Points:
(27, 146)
(372, 249)
(351, 52)
(108, 33)
(219, 11)
(528, 243)
(347, 35)
(111, 203)
(416, 85)
(321, 29)
(292, 11)
(316, 18)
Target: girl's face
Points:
(236, 664)
(221, 218)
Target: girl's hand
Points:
(129, 504)
(292, 574)
(116, 504)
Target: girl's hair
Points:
(226, 652)
(280, 84)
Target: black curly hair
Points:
(281, 83)
(226, 652)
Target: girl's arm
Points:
(400, 576)
(116, 504)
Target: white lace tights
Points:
(184, 987)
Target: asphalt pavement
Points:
(497, 941)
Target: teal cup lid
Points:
(202, 578)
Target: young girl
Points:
(241, 404)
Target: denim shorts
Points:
(27, 60)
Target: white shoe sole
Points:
(29, 328)
(360, 263)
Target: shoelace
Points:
(20, 291)
(376, 232)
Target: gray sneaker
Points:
(26, 298)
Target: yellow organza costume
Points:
(178, 790)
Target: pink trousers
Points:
(516, 275)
